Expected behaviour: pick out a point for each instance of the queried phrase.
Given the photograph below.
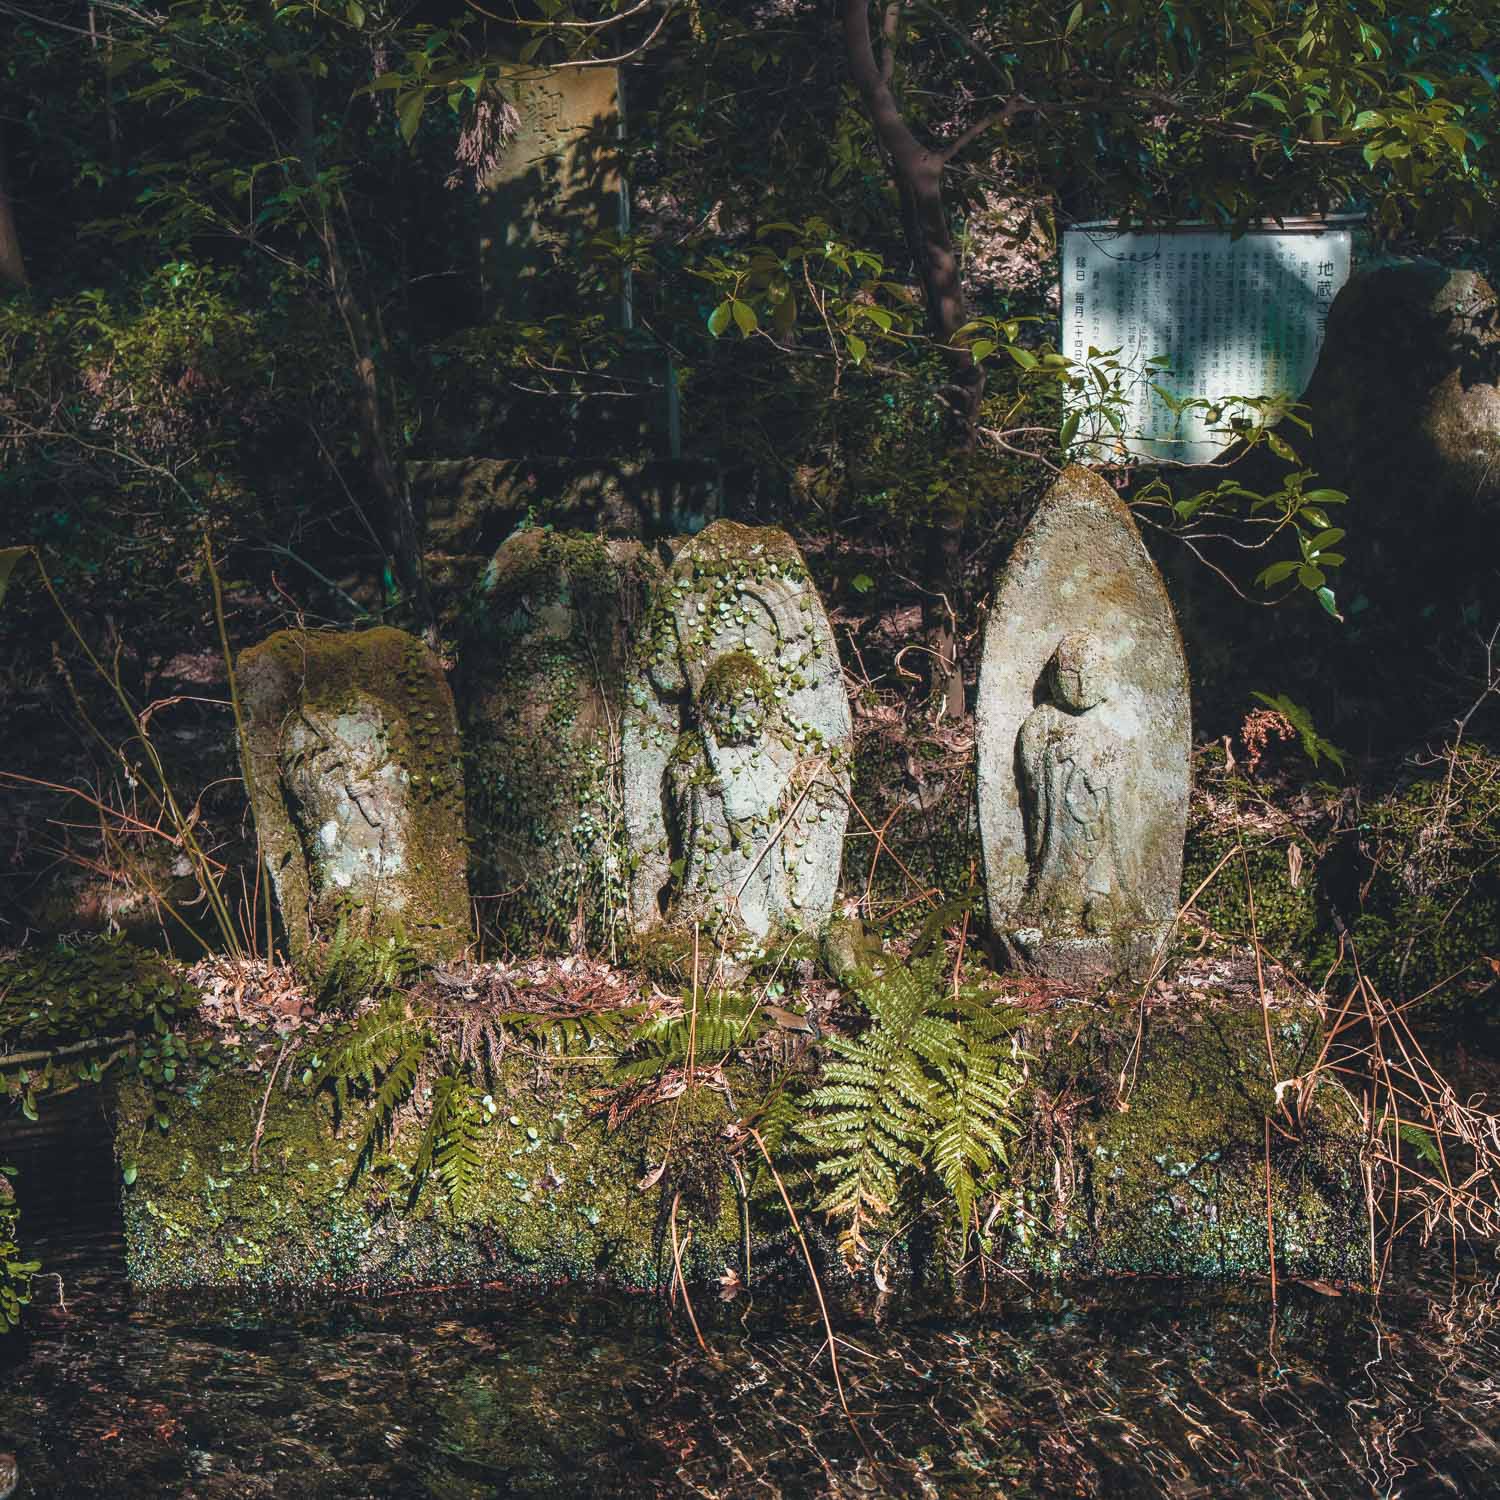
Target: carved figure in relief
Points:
(1070, 762)
(736, 739)
(351, 757)
(349, 796)
(1083, 742)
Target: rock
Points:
(351, 758)
(1146, 1143)
(547, 643)
(737, 738)
(557, 1196)
(1405, 400)
(1083, 740)
(1141, 1149)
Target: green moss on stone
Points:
(336, 673)
(558, 1198)
(1170, 1177)
(546, 638)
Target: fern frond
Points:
(726, 1022)
(450, 1143)
(395, 1088)
(930, 1082)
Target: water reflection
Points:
(1131, 1389)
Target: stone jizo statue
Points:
(1069, 763)
(351, 759)
(736, 741)
(1083, 742)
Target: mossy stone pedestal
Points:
(1145, 1149)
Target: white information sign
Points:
(1200, 315)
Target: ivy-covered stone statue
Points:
(545, 652)
(1083, 741)
(351, 758)
(736, 745)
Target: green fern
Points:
(929, 1082)
(572, 1036)
(450, 1143)
(725, 1023)
(352, 968)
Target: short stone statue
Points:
(736, 745)
(1083, 741)
(547, 642)
(351, 758)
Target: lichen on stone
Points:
(315, 703)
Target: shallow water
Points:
(1132, 1388)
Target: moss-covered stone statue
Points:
(1083, 741)
(545, 654)
(351, 758)
(736, 737)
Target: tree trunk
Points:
(917, 171)
(12, 265)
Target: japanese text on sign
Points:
(1201, 316)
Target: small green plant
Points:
(432, 1051)
(15, 1273)
(73, 1012)
(721, 1023)
(1314, 746)
(927, 1089)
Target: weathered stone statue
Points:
(1069, 762)
(736, 737)
(545, 652)
(1083, 741)
(351, 758)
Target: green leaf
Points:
(857, 348)
(129, 1174)
(1326, 599)
(1422, 1143)
(1278, 572)
(409, 113)
(356, 13)
(1074, 17)
(744, 317)
(981, 349)
(1281, 448)
(1325, 539)
(1023, 357)
(861, 583)
(1069, 429)
(718, 319)
(1310, 576)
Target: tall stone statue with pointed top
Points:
(1083, 741)
(736, 743)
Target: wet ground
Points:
(1133, 1388)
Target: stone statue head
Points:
(1078, 673)
(737, 700)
